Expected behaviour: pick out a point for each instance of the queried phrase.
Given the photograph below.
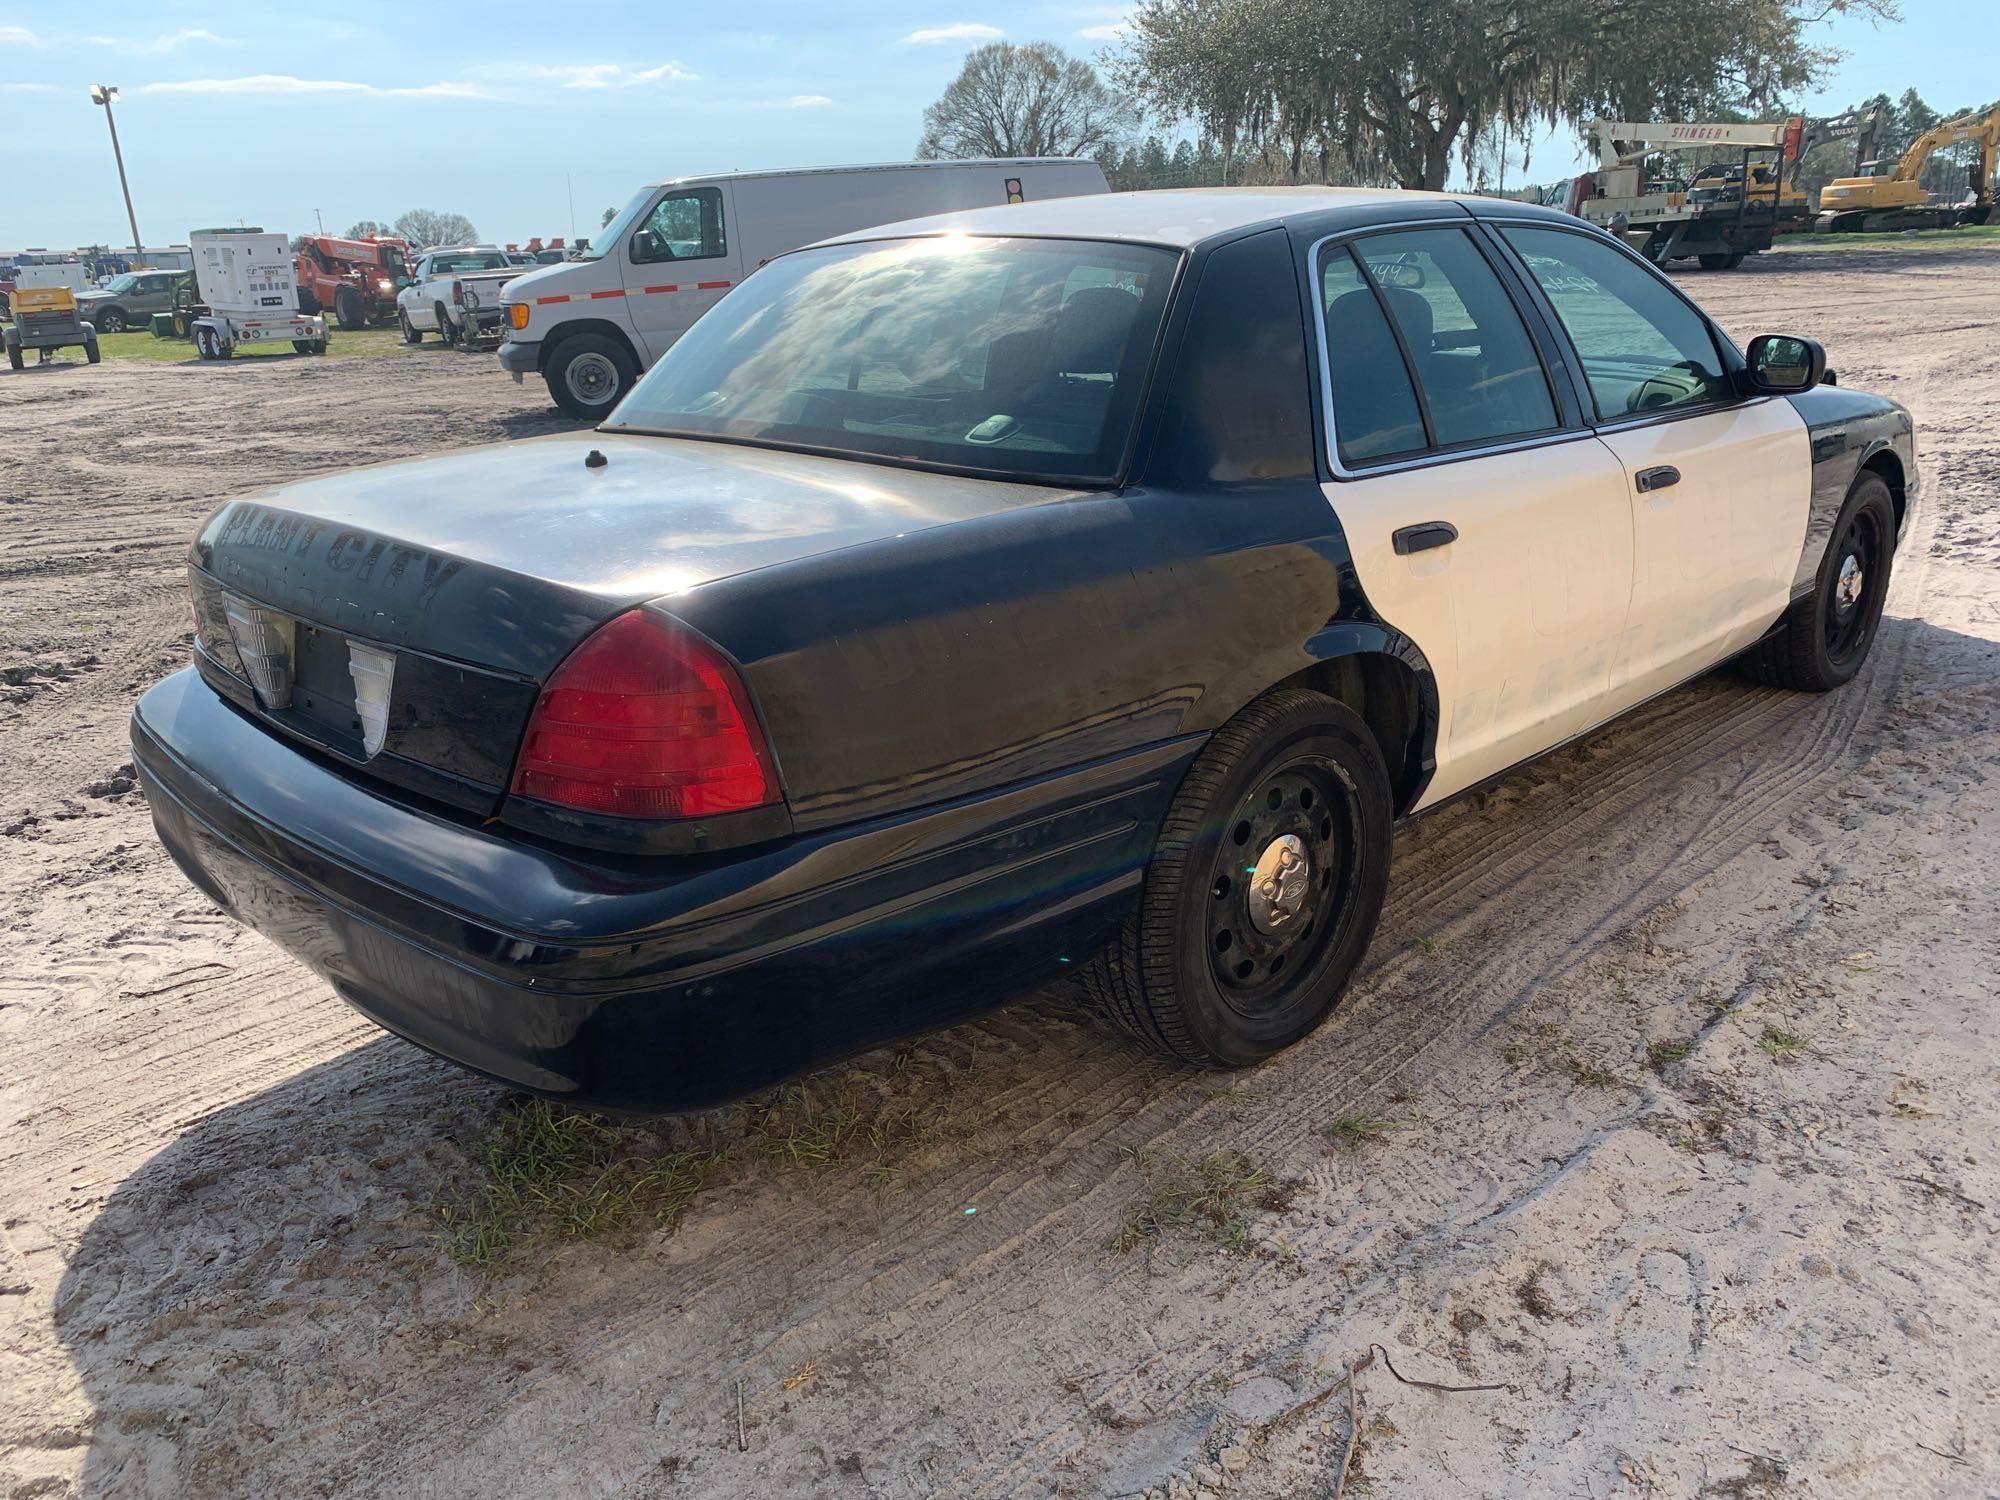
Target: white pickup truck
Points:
(454, 292)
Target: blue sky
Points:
(264, 113)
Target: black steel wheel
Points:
(1263, 890)
(1825, 636)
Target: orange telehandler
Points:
(355, 280)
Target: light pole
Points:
(104, 93)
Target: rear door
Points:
(678, 260)
(1484, 520)
(1719, 488)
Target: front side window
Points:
(1015, 356)
(1642, 348)
(1475, 362)
(682, 226)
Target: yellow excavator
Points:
(1879, 201)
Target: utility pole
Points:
(104, 93)
(321, 222)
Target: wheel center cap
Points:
(1847, 588)
(1279, 883)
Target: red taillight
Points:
(646, 720)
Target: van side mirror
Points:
(1783, 364)
(645, 246)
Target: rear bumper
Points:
(645, 984)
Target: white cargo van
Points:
(590, 326)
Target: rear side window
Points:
(1375, 412)
(1642, 348)
(682, 226)
(1475, 363)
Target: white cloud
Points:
(958, 31)
(809, 101)
(18, 36)
(1111, 31)
(26, 88)
(284, 83)
(613, 75)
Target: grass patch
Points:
(363, 343)
(1209, 1195)
(1895, 239)
(1431, 947)
(1663, 1054)
(1781, 1044)
(1589, 1074)
(1354, 1131)
(549, 1171)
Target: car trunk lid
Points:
(402, 617)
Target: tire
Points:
(1824, 638)
(411, 333)
(204, 343)
(108, 320)
(308, 300)
(445, 334)
(14, 357)
(590, 374)
(1735, 259)
(349, 311)
(305, 346)
(1199, 974)
(1717, 261)
(91, 352)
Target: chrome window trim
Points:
(1429, 456)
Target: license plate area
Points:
(323, 693)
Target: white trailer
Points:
(249, 292)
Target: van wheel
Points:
(590, 374)
(1263, 890)
(1826, 635)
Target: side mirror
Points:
(1782, 364)
(645, 246)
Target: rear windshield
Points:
(468, 260)
(1015, 356)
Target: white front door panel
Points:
(1521, 616)
(1714, 553)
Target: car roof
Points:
(1184, 217)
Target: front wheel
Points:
(349, 311)
(589, 374)
(1824, 637)
(411, 333)
(108, 320)
(1263, 890)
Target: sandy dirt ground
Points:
(1666, 1102)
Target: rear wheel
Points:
(1715, 261)
(588, 375)
(90, 351)
(444, 325)
(1825, 636)
(1263, 890)
(14, 357)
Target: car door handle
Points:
(1663, 477)
(1422, 538)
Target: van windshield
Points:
(1017, 357)
(614, 231)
